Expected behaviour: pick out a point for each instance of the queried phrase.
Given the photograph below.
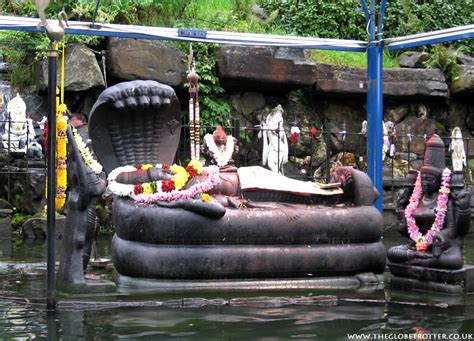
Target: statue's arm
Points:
(462, 211)
(403, 200)
(402, 203)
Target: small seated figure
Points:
(19, 132)
(434, 212)
(219, 148)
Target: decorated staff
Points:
(194, 120)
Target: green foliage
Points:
(445, 59)
(17, 51)
(18, 219)
(318, 18)
(404, 17)
(354, 59)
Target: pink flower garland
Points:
(422, 242)
(211, 181)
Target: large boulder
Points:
(266, 69)
(413, 59)
(81, 69)
(464, 85)
(417, 126)
(398, 82)
(133, 59)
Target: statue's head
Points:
(276, 115)
(220, 137)
(433, 164)
(17, 108)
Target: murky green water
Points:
(245, 316)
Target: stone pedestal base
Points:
(366, 282)
(89, 286)
(452, 282)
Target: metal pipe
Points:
(51, 183)
(143, 32)
(93, 25)
(375, 108)
(452, 30)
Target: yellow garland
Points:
(180, 176)
(197, 165)
(61, 158)
(61, 143)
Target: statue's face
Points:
(430, 183)
(220, 142)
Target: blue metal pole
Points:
(375, 106)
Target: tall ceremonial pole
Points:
(194, 118)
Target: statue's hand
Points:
(462, 201)
(418, 255)
(438, 245)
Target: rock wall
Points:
(313, 95)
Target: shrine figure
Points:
(219, 148)
(19, 131)
(434, 212)
(275, 144)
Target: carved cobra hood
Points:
(135, 122)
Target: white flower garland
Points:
(122, 190)
(222, 158)
(86, 153)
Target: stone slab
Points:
(5, 227)
(398, 82)
(89, 286)
(361, 282)
(264, 69)
(6, 249)
(430, 279)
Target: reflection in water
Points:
(23, 274)
(228, 322)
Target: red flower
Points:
(314, 131)
(165, 166)
(167, 185)
(138, 189)
(138, 167)
(191, 171)
(294, 137)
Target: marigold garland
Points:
(61, 157)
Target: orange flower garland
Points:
(61, 157)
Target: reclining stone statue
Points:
(221, 223)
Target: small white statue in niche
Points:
(19, 131)
(275, 144)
